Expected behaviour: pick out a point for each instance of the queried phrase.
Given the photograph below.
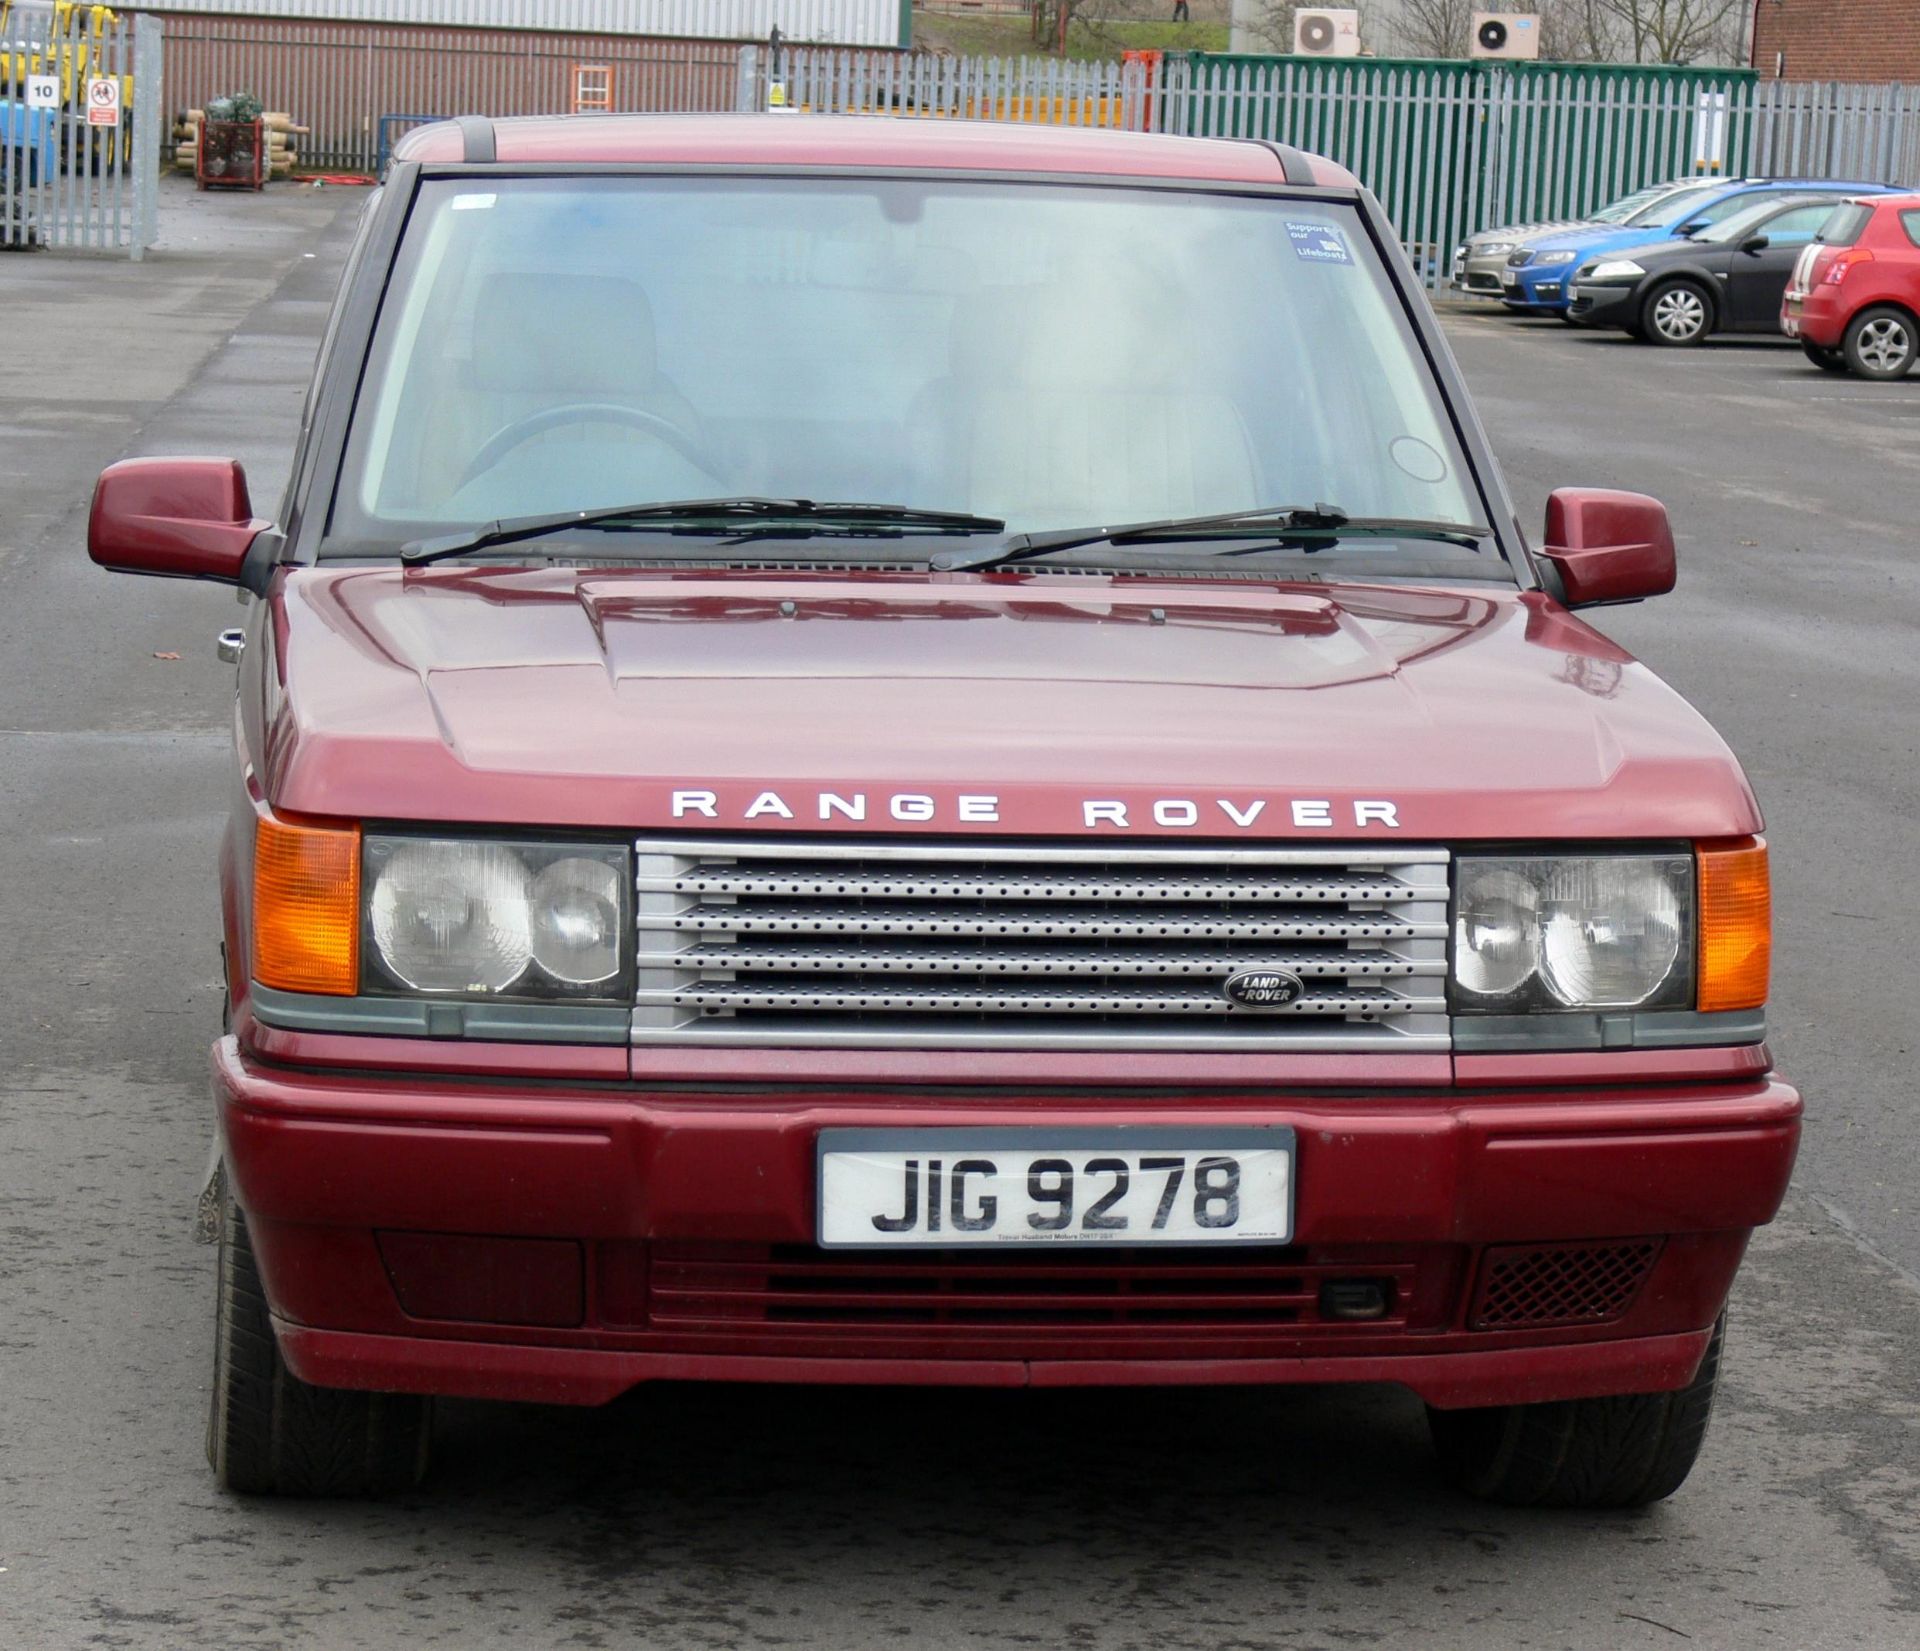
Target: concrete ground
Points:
(748, 1517)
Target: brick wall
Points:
(1837, 39)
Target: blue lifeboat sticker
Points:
(1318, 243)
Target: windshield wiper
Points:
(697, 515)
(1313, 527)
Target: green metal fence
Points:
(1452, 147)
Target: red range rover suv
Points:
(896, 752)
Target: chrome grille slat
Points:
(1055, 922)
(1308, 963)
(1114, 945)
(759, 882)
(1016, 998)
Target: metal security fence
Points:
(1570, 138)
(79, 129)
(1042, 91)
(1451, 147)
(1448, 147)
(1829, 129)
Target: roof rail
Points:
(476, 132)
(1295, 167)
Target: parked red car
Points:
(922, 752)
(1854, 298)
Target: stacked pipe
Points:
(283, 137)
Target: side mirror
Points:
(1755, 243)
(1608, 546)
(176, 518)
(1691, 228)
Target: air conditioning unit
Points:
(1506, 34)
(1323, 33)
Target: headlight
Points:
(1616, 269)
(1556, 258)
(1534, 936)
(577, 925)
(452, 917)
(1489, 249)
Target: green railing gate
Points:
(1451, 147)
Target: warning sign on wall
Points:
(103, 102)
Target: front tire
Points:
(1677, 314)
(1620, 1452)
(1827, 360)
(1881, 343)
(271, 1434)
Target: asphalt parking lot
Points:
(730, 1518)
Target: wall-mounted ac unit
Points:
(1504, 34)
(1324, 33)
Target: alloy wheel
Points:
(1679, 315)
(1885, 344)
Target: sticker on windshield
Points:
(474, 203)
(1318, 243)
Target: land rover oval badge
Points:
(1263, 988)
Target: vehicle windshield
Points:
(1742, 223)
(1046, 355)
(1622, 211)
(1672, 206)
(1845, 224)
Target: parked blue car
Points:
(1535, 279)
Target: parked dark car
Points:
(1729, 278)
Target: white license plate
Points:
(880, 1188)
(1573, 295)
(1510, 282)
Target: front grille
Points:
(944, 943)
(1482, 281)
(1527, 1285)
(723, 1286)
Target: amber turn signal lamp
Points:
(306, 908)
(1736, 927)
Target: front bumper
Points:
(1604, 305)
(1478, 275)
(563, 1242)
(1540, 287)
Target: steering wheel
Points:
(523, 430)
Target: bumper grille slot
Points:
(719, 1286)
(902, 943)
(1524, 1286)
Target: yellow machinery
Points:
(68, 40)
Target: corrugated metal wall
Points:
(828, 22)
(339, 79)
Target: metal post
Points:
(148, 60)
(745, 99)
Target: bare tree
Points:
(1435, 28)
(1677, 31)
(1577, 31)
